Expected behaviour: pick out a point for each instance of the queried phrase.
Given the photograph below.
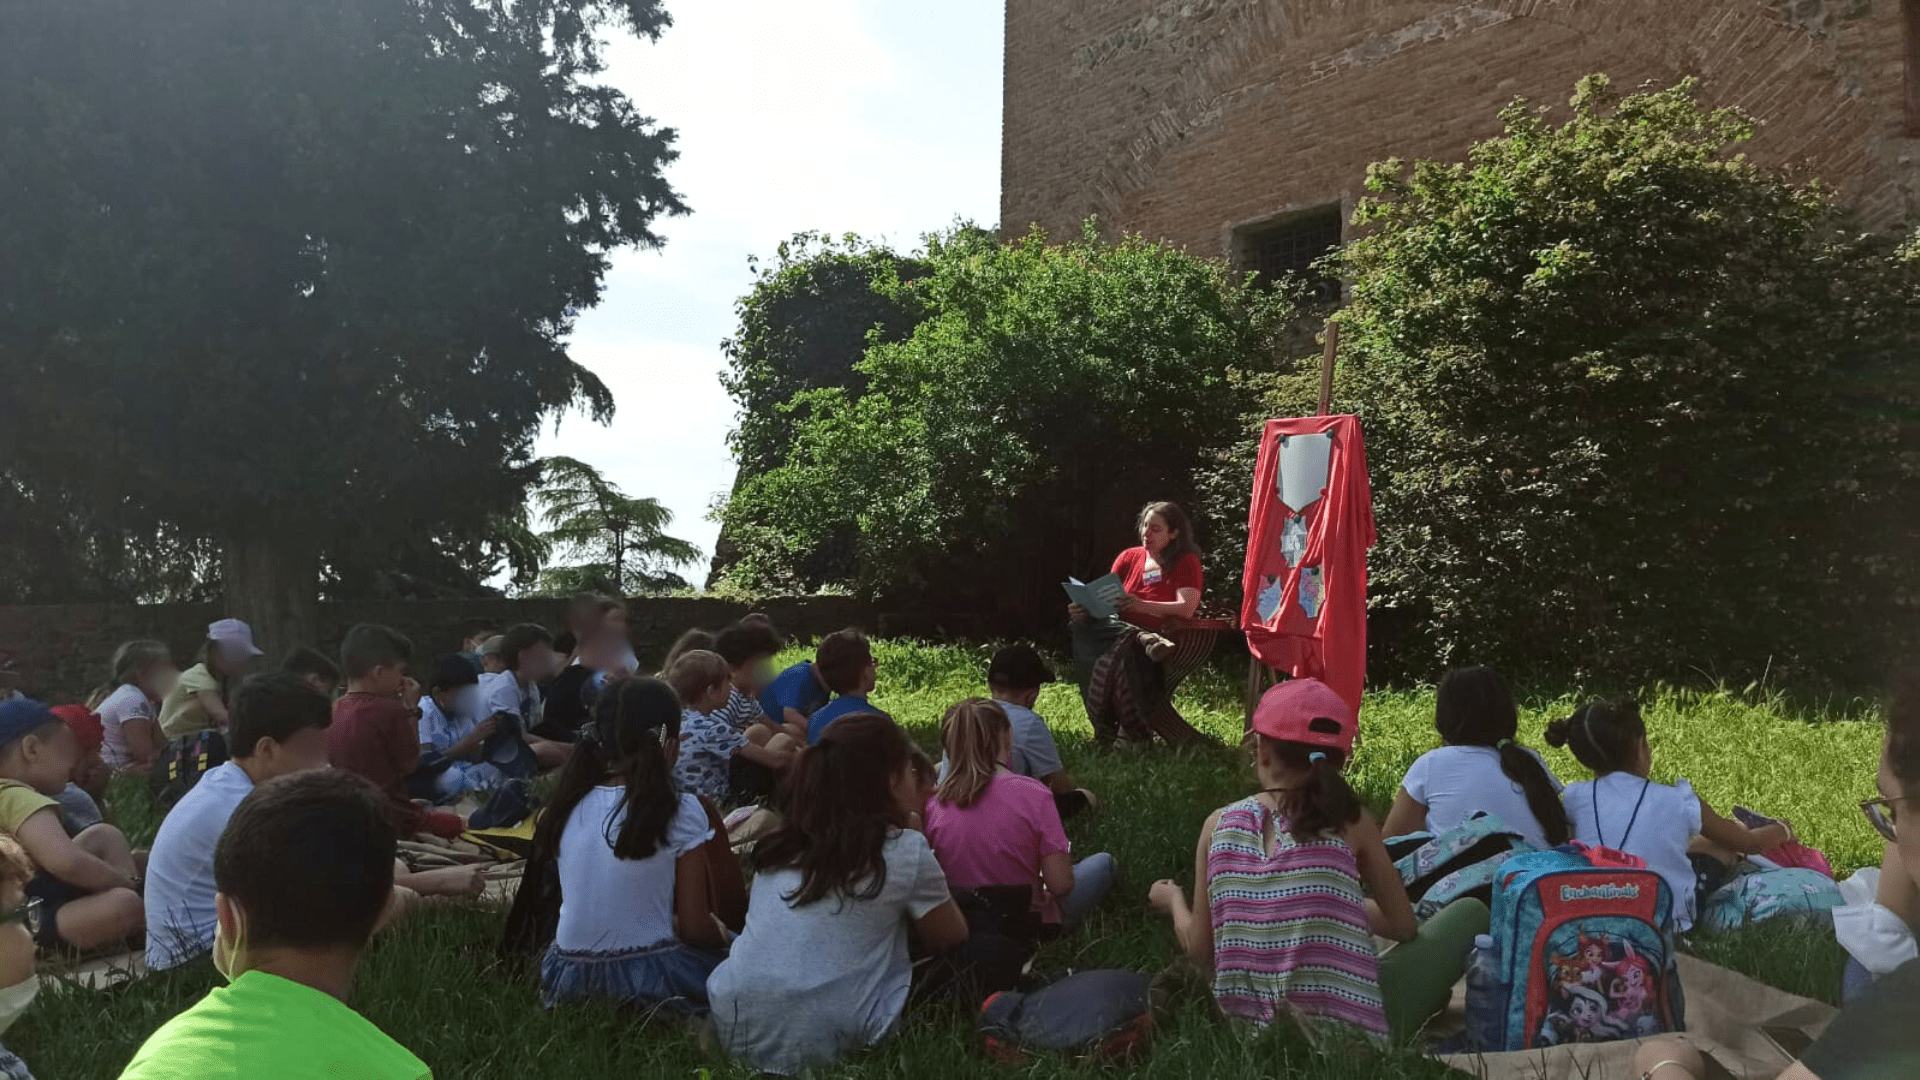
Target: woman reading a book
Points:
(1130, 662)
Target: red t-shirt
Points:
(1154, 583)
(378, 738)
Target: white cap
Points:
(233, 632)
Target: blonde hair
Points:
(695, 672)
(15, 867)
(972, 734)
(130, 661)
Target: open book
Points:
(1101, 597)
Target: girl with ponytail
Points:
(636, 921)
(1667, 825)
(1296, 881)
(821, 968)
(1480, 768)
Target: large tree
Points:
(613, 542)
(298, 278)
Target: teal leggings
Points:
(1417, 977)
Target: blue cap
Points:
(23, 716)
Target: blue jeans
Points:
(1092, 881)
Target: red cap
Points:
(85, 725)
(1288, 712)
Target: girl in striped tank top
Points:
(1287, 927)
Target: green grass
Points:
(435, 985)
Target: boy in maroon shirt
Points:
(376, 725)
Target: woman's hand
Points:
(1076, 613)
(1126, 601)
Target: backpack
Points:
(182, 763)
(1586, 952)
(1461, 862)
(1103, 1015)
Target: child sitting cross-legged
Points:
(1622, 808)
(1296, 882)
(453, 734)
(822, 966)
(304, 874)
(87, 885)
(708, 744)
(636, 923)
(994, 827)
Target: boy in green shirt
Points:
(305, 873)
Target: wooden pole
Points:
(1326, 367)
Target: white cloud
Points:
(867, 116)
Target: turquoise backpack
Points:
(1585, 939)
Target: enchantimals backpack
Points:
(1585, 940)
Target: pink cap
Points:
(1289, 711)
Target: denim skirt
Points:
(668, 975)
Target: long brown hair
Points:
(624, 742)
(1178, 524)
(973, 733)
(838, 803)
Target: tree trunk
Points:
(273, 582)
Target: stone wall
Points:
(1187, 119)
(63, 650)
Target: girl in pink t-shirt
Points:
(992, 827)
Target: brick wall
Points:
(1184, 119)
(63, 650)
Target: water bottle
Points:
(1486, 998)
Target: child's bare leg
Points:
(441, 881)
(100, 919)
(796, 732)
(550, 755)
(109, 845)
(758, 734)
(783, 744)
(1668, 1059)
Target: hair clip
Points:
(1316, 757)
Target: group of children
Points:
(877, 876)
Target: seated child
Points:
(512, 697)
(1014, 678)
(19, 984)
(708, 744)
(304, 873)
(143, 672)
(821, 969)
(278, 727)
(80, 799)
(198, 699)
(1480, 769)
(87, 885)
(749, 647)
(1287, 927)
(845, 664)
(452, 735)
(631, 862)
(992, 826)
(493, 659)
(795, 694)
(313, 666)
(376, 725)
(1622, 808)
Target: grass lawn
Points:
(435, 985)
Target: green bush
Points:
(1634, 404)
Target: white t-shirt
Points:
(806, 986)
(501, 692)
(129, 702)
(1668, 820)
(1456, 782)
(180, 917)
(613, 905)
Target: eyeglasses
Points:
(27, 914)
(1884, 815)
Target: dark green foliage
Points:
(297, 278)
(1633, 404)
(616, 543)
(1046, 392)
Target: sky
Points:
(866, 116)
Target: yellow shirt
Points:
(18, 802)
(181, 712)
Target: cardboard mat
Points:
(1750, 1031)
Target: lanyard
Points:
(1598, 830)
